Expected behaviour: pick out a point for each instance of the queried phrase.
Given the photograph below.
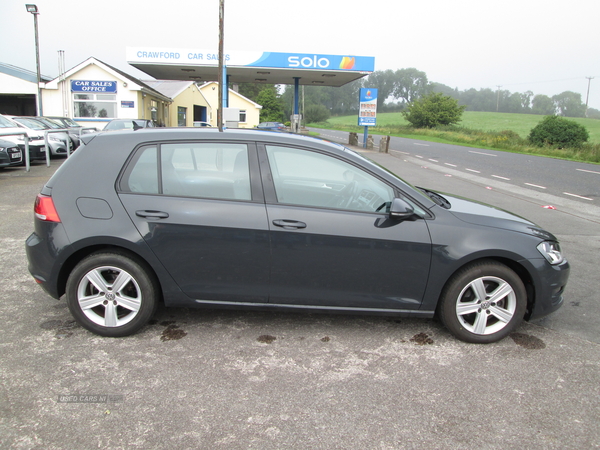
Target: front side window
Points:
(204, 170)
(307, 178)
(95, 105)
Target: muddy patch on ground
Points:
(421, 339)
(266, 339)
(172, 332)
(527, 341)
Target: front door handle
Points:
(148, 214)
(289, 224)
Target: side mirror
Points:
(400, 209)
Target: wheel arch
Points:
(515, 266)
(74, 258)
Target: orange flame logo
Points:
(347, 62)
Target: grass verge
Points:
(504, 140)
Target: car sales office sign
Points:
(94, 86)
(367, 111)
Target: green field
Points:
(485, 121)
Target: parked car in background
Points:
(10, 154)
(58, 142)
(250, 219)
(273, 126)
(128, 124)
(200, 124)
(72, 133)
(69, 123)
(37, 146)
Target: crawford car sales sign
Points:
(93, 86)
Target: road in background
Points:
(568, 179)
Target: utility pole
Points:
(587, 97)
(33, 9)
(498, 98)
(221, 63)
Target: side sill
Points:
(313, 308)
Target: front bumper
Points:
(549, 283)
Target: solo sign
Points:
(94, 86)
(367, 111)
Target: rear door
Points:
(200, 208)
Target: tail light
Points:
(44, 209)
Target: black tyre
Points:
(111, 294)
(483, 302)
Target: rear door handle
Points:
(148, 214)
(289, 224)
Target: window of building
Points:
(95, 105)
(181, 116)
(154, 110)
(242, 115)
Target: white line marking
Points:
(535, 185)
(398, 151)
(471, 170)
(588, 171)
(579, 196)
(480, 153)
(451, 165)
(419, 156)
(433, 160)
(422, 145)
(502, 178)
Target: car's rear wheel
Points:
(483, 302)
(111, 294)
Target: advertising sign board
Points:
(367, 111)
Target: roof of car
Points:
(206, 133)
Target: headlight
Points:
(54, 138)
(2, 149)
(551, 251)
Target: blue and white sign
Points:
(252, 59)
(127, 104)
(367, 111)
(94, 86)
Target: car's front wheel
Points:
(483, 302)
(111, 294)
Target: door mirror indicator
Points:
(401, 209)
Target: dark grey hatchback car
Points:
(252, 219)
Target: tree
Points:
(433, 110)
(542, 104)
(569, 104)
(410, 84)
(558, 132)
(383, 81)
(272, 108)
(251, 90)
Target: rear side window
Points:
(204, 170)
(143, 177)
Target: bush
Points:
(316, 114)
(555, 131)
(433, 110)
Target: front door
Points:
(332, 242)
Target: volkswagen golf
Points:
(252, 219)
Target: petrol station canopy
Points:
(251, 67)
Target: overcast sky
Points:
(546, 46)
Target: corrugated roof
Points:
(21, 73)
